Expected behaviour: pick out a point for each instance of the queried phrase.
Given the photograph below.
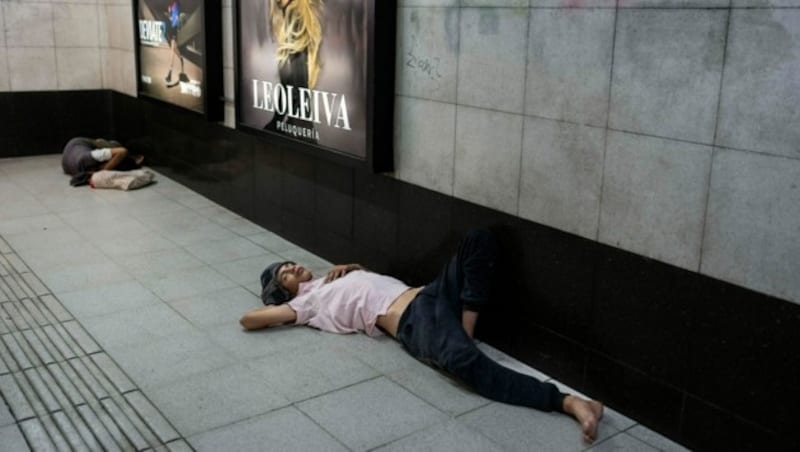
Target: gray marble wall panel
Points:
(102, 25)
(5, 84)
(491, 64)
(427, 53)
(569, 64)
(78, 68)
(495, 3)
(76, 25)
(2, 26)
(562, 169)
(52, 45)
(119, 70)
(488, 148)
(425, 142)
(765, 3)
(119, 20)
(403, 3)
(674, 3)
(117, 55)
(654, 197)
(761, 88)
(28, 24)
(31, 68)
(573, 3)
(667, 69)
(753, 226)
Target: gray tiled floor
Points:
(153, 318)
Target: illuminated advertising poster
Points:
(303, 71)
(172, 51)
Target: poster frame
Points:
(380, 92)
(213, 100)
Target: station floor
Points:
(120, 331)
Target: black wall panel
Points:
(36, 123)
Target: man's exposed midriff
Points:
(391, 319)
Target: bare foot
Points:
(588, 414)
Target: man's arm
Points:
(117, 156)
(268, 316)
(340, 270)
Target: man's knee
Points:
(483, 239)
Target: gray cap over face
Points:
(271, 290)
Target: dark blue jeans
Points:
(430, 329)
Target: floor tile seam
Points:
(6, 291)
(251, 238)
(619, 433)
(108, 423)
(628, 429)
(11, 293)
(6, 266)
(170, 306)
(387, 374)
(43, 426)
(147, 420)
(20, 368)
(484, 403)
(321, 394)
(248, 418)
(54, 348)
(26, 397)
(116, 422)
(430, 427)
(24, 217)
(212, 264)
(64, 392)
(37, 324)
(320, 426)
(377, 377)
(17, 314)
(474, 409)
(332, 391)
(87, 355)
(73, 407)
(144, 279)
(13, 272)
(122, 401)
(152, 387)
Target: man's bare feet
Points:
(588, 414)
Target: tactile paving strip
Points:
(63, 391)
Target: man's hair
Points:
(271, 290)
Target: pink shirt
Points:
(346, 305)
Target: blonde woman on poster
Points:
(297, 31)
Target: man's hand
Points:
(340, 270)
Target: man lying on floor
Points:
(86, 155)
(433, 323)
